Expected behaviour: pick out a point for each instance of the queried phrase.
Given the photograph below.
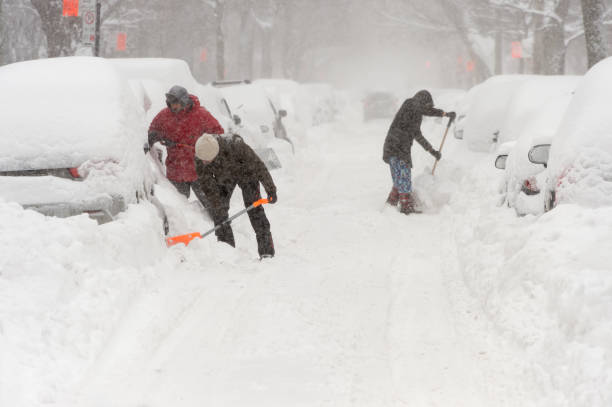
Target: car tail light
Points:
(530, 186)
(74, 172)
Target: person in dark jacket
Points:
(222, 162)
(178, 127)
(405, 128)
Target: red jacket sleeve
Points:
(210, 125)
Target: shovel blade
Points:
(185, 239)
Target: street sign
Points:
(121, 41)
(71, 8)
(88, 13)
(203, 55)
(517, 50)
(470, 65)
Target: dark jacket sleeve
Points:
(256, 167)
(432, 111)
(423, 142)
(208, 184)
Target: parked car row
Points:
(562, 147)
(74, 145)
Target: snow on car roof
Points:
(531, 97)
(488, 103)
(63, 111)
(167, 71)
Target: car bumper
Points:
(102, 209)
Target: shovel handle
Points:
(186, 239)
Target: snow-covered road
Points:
(362, 306)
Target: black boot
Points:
(265, 245)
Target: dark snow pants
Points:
(257, 216)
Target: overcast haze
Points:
(366, 43)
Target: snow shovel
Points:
(450, 121)
(171, 241)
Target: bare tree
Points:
(61, 32)
(593, 14)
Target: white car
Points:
(525, 180)
(260, 120)
(580, 164)
(72, 139)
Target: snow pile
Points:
(64, 285)
(545, 283)
(580, 166)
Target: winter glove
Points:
(451, 115)
(437, 154)
(272, 197)
(167, 143)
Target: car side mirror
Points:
(539, 154)
(282, 113)
(237, 120)
(500, 161)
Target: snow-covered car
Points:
(379, 105)
(153, 77)
(72, 139)
(523, 179)
(533, 120)
(482, 113)
(580, 162)
(261, 120)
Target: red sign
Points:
(517, 50)
(428, 64)
(71, 8)
(203, 55)
(121, 41)
(469, 66)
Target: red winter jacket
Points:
(183, 128)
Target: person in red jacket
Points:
(178, 127)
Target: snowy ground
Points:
(464, 305)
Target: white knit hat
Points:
(207, 147)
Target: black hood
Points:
(423, 98)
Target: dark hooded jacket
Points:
(406, 127)
(183, 129)
(235, 164)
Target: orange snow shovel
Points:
(186, 239)
(450, 121)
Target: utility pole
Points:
(97, 41)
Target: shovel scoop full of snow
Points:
(186, 239)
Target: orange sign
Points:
(71, 8)
(121, 41)
(517, 50)
(469, 66)
(203, 55)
